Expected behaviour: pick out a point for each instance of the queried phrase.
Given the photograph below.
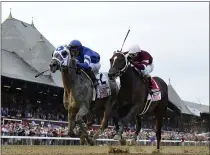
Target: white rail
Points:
(77, 139)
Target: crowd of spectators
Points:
(51, 130)
(28, 112)
(47, 129)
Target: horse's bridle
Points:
(127, 64)
(59, 62)
(61, 67)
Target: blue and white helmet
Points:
(62, 55)
(75, 43)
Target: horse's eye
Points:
(64, 53)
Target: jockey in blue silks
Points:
(88, 59)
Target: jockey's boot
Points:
(92, 76)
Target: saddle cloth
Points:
(156, 95)
(103, 89)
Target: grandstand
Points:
(26, 52)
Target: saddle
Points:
(153, 86)
(102, 89)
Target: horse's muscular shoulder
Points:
(72, 102)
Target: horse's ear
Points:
(125, 52)
(117, 51)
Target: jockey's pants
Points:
(148, 69)
(95, 67)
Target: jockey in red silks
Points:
(143, 61)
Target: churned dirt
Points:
(102, 150)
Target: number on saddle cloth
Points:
(103, 89)
(156, 95)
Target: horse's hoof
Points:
(117, 137)
(133, 141)
(89, 124)
(91, 141)
(135, 137)
(95, 136)
(71, 134)
(123, 141)
(82, 140)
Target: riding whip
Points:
(41, 73)
(125, 40)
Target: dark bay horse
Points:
(133, 95)
(79, 92)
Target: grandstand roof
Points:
(16, 67)
(30, 50)
(202, 108)
(176, 100)
(186, 107)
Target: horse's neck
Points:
(125, 80)
(72, 80)
(64, 75)
(130, 78)
(68, 78)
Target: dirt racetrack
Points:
(100, 150)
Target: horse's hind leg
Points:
(160, 112)
(159, 122)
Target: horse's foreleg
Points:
(71, 123)
(159, 122)
(119, 125)
(71, 117)
(107, 113)
(65, 100)
(83, 111)
(132, 113)
(104, 123)
(138, 126)
(115, 121)
(125, 120)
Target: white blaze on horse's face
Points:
(62, 55)
(114, 59)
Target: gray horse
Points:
(79, 93)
